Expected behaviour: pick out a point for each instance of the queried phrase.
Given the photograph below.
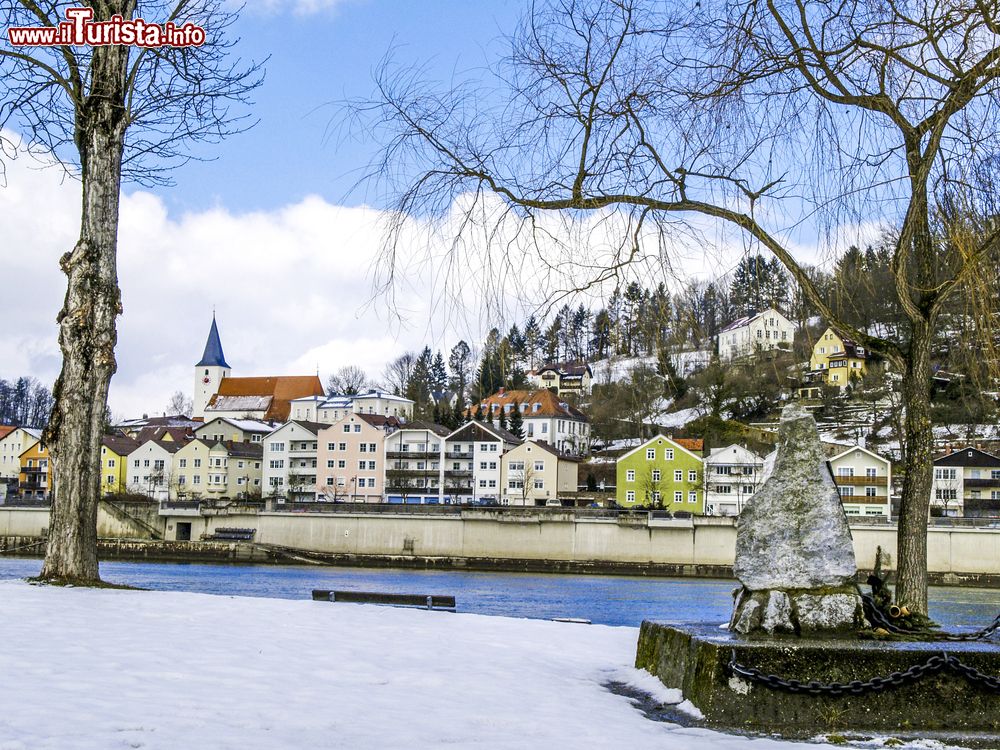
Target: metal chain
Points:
(932, 665)
(878, 618)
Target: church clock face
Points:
(206, 380)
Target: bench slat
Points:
(431, 601)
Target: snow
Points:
(679, 418)
(89, 669)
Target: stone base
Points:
(693, 659)
(798, 611)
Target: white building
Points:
(331, 409)
(966, 483)
(290, 455)
(761, 332)
(864, 480)
(151, 468)
(732, 475)
(12, 445)
(235, 430)
(473, 462)
(545, 417)
(564, 377)
(414, 461)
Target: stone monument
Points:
(794, 554)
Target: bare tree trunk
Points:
(87, 327)
(911, 552)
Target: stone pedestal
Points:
(693, 658)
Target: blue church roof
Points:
(213, 356)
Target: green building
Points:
(663, 474)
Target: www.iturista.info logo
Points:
(80, 29)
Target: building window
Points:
(630, 475)
(277, 447)
(277, 463)
(870, 472)
(630, 496)
(651, 454)
(183, 463)
(846, 491)
(692, 475)
(946, 494)
(331, 446)
(655, 475)
(539, 466)
(678, 497)
(678, 476)
(870, 492)
(845, 471)
(692, 497)
(724, 489)
(944, 474)
(342, 464)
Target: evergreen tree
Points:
(459, 414)
(478, 415)
(532, 342)
(436, 415)
(600, 337)
(553, 337)
(438, 373)
(516, 424)
(502, 421)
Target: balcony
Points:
(860, 481)
(459, 455)
(458, 473)
(987, 483)
(417, 455)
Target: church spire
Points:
(213, 356)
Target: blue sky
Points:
(321, 57)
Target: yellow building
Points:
(114, 463)
(35, 480)
(835, 361)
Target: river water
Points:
(609, 600)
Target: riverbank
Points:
(253, 552)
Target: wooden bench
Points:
(231, 535)
(424, 601)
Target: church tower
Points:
(210, 371)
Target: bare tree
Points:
(106, 113)
(180, 404)
(776, 120)
(397, 373)
(348, 381)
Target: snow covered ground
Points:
(90, 669)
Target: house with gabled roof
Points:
(563, 377)
(12, 445)
(351, 458)
(236, 430)
(545, 417)
(835, 361)
(864, 481)
(115, 450)
(290, 460)
(755, 333)
(536, 474)
(473, 461)
(966, 483)
(414, 461)
(151, 468)
(661, 473)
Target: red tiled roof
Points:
(549, 404)
(691, 444)
(5, 430)
(281, 388)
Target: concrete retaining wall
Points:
(962, 553)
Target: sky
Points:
(270, 234)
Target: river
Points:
(609, 600)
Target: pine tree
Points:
(516, 425)
(438, 373)
(459, 414)
(436, 415)
(502, 422)
(532, 342)
(478, 414)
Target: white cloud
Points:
(293, 286)
(298, 7)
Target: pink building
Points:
(350, 458)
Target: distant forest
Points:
(24, 402)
